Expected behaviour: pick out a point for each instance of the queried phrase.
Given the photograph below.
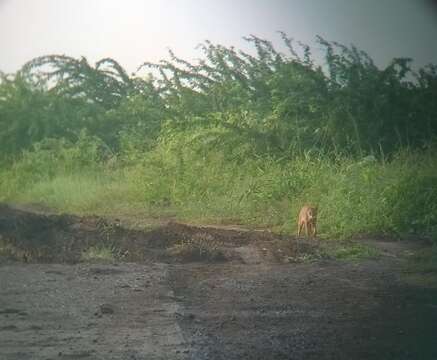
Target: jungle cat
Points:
(308, 219)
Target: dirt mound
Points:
(39, 237)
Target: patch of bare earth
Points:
(83, 311)
(164, 296)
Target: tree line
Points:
(263, 102)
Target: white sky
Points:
(134, 31)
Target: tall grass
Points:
(69, 177)
(354, 196)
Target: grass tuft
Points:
(353, 251)
(98, 253)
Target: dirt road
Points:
(247, 306)
(125, 311)
(309, 311)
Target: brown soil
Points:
(260, 301)
(41, 237)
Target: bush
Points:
(413, 203)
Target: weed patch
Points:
(352, 251)
(99, 253)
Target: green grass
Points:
(86, 193)
(98, 253)
(353, 252)
(354, 196)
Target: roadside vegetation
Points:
(241, 138)
(98, 253)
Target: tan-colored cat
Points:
(308, 219)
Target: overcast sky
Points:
(135, 31)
